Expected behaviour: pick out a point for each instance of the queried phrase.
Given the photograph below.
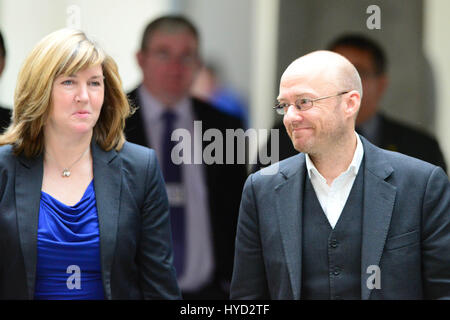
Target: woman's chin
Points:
(81, 129)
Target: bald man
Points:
(343, 219)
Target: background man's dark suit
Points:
(405, 230)
(224, 183)
(394, 136)
(5, 118)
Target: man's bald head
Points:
(332, 68)
(333, 88)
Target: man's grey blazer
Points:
(405, 230)
(133, 214)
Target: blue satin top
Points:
(68, 249)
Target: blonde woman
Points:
(83, 213)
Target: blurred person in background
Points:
(204, 198)
(5, 113)
(209, 87)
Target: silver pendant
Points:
(66, 173)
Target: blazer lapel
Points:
(379, 199)
(107, 184)
(289, 195)
(28, 187)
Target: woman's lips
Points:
(82, 114)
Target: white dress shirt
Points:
(333, 198)
(199, 262)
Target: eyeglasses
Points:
(165, 56)
(302, 104)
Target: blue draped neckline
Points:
(68, 249)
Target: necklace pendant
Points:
(66, 173)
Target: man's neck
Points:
(336, 159)
(166, 100)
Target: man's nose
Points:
(293, 113)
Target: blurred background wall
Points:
(253, 41)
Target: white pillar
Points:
(23, 24)
(437, 48)
(263, 66)
(263, 62)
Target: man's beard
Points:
(319, 143)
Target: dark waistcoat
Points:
(331, 258)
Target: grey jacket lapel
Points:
(289, 195)
(107, 184)
(28, 187)
(379, 198)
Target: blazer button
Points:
(334, 243)
(336, 271)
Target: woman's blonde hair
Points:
(63, 52)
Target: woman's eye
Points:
(95, 83)
(67, 82)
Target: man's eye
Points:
(162, 55)
(304, 101)
(188, 59)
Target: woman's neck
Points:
(65, 150)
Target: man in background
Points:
(204, 198)
(5, 113)
(371, 63)
(210, 87)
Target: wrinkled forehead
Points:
(306, 80)
(313, 65)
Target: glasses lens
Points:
(279, 108)
(304, 104)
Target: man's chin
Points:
(302, 146)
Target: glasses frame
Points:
(280, 107)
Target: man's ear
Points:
(353, 103)
(140, 58)
(2, 65)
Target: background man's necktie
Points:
(175, 191)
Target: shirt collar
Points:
(154, 108)
(353, 168)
